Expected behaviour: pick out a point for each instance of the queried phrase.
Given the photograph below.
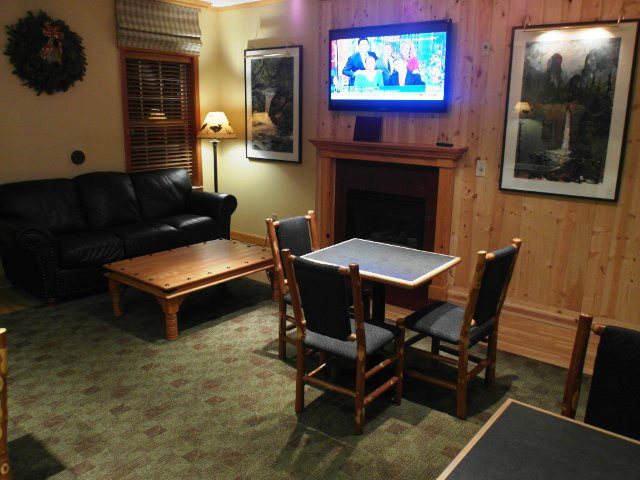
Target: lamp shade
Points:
(523, 107)
(216, 126)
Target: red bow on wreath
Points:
(54, 35)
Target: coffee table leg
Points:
(170, 308)
(378, 314)
(116, 295)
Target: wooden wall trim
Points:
(249, 238)
(577, 254)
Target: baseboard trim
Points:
(249, 238)
(557, 317)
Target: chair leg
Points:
(300, 354)
(399, 367)
(282, 331)
(360, 383)
(461, 390)
(435, 349)
(490, 373)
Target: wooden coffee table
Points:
(173, 274)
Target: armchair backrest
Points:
(489, 286)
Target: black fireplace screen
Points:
(387, 218)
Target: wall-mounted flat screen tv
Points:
(404, 67)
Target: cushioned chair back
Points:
(52, 204)
(494, 281)
(614, 397)
(108, 198)
(323, 292)
(293, 233)
(162, 193)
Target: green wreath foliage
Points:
(25, 42)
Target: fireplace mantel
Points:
(445, 159)
(404, 153)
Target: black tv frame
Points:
(432, 106)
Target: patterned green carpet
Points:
(92, 396)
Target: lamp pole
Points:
(214, 145)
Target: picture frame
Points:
(567, 108)
(273, 111)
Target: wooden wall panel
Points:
(577, 254)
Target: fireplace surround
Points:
(384, 158)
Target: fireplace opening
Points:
(386, 218)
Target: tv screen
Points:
(404, 67)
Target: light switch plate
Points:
(481, 168)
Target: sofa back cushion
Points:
(108, 199)
(162, 193)
(52, 204)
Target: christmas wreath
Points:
(45, 53)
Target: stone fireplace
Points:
(388, 192)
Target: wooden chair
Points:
(326, 327)
(5, 473)
(300, 236)
(614, 397)
(465, 327)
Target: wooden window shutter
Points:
(160, 112)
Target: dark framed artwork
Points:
(567, 108)
(273, 117)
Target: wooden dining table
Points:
(385, 264)
(528, 443)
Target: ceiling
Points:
(229, 3)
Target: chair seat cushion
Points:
(443, 320)
(193, 228)
(85, 249)
(142, 238)
(287, 298)
(377, 338)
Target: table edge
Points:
(498, 413)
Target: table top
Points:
(390, 264)
(205, 262)
(525, 442)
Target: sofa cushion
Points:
(85, 249)
(107, 198)
(193, 228)
(52, 204)
(147, 237)
(162, 193)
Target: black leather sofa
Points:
(55, 235)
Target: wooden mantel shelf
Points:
(404, 153)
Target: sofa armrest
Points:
(218, 206)
(19, 233)
(29, 255)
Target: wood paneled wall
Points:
(577, 254)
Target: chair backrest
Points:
(324, 297)
(297, 234)
(490, 283)
(614, 396)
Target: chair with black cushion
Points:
(300, 236)
(321, 295)
(614, 397)
(464, 327)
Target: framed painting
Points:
(567, 108)
(273, 117)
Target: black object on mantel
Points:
(444, 144)
(367, 129)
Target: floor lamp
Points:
(215, 127)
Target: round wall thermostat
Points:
(77, 157)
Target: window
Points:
(160, 111)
